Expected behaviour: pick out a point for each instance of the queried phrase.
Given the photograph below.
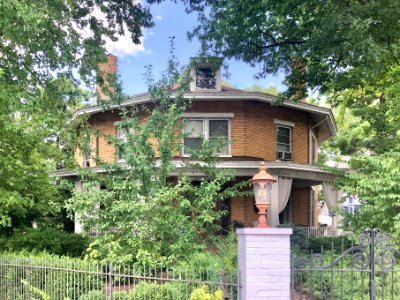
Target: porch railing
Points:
(316, 232)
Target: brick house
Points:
(286, 137)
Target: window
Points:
(86, 150)
(122, 135)
(205, 78)
(197, 130)
(219, 131)
(283, 142)
(193, 131)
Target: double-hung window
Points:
(122, 135)
(86, 149)
(196, 130)
(283, 140)
(194, 133)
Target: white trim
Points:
(290, 142)
(284, 123)
(208, 115)
(243, 168)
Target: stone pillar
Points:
(264, 263)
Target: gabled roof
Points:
(320, 115)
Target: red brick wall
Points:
(109, 67)
(301, 206)
(242, 210)
(253, 130)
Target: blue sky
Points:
(171, 20)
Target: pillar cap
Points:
(264, 231)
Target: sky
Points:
(171, 20)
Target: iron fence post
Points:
(29, 277)
(372, 291)
(111, 281)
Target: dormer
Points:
(206, 74)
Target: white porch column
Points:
(80, 187)
(264, 263)
(78, 225)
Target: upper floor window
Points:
(283, 142)
(122, 135)
(196, 130)
(86, 150)
(205, 78)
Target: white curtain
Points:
(285, 187)
(332, 196)
(279, 197)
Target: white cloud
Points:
(158, 18)
(124, 46)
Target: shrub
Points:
(202, 293)
(45, 240)
(223, 256)
(58, 282)
(298, 240)
(156, 291)
(93, 295)
(121, 295)
(328, 243)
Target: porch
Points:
(294, 197)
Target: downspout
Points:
(310, 139)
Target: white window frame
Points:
(286, 125)
(117, 129)
(206, 118)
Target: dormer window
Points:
(206, 74)
(205, 78)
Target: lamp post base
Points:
(262, 215)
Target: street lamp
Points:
(262, 183)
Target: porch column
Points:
(264, 263)
(78, 225)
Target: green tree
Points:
(47, 50)
(369, 133)
(329, 45)
(145, 214)
(272, 90)
(376, 181)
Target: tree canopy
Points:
(48, 49)
(144, 214)
(329, 45)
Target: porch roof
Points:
(305, 175)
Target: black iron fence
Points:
(72, 279)
(367, 269)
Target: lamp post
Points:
(262, 183)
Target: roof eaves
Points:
(233, 94)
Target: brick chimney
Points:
(298, 81)
(109, 67)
